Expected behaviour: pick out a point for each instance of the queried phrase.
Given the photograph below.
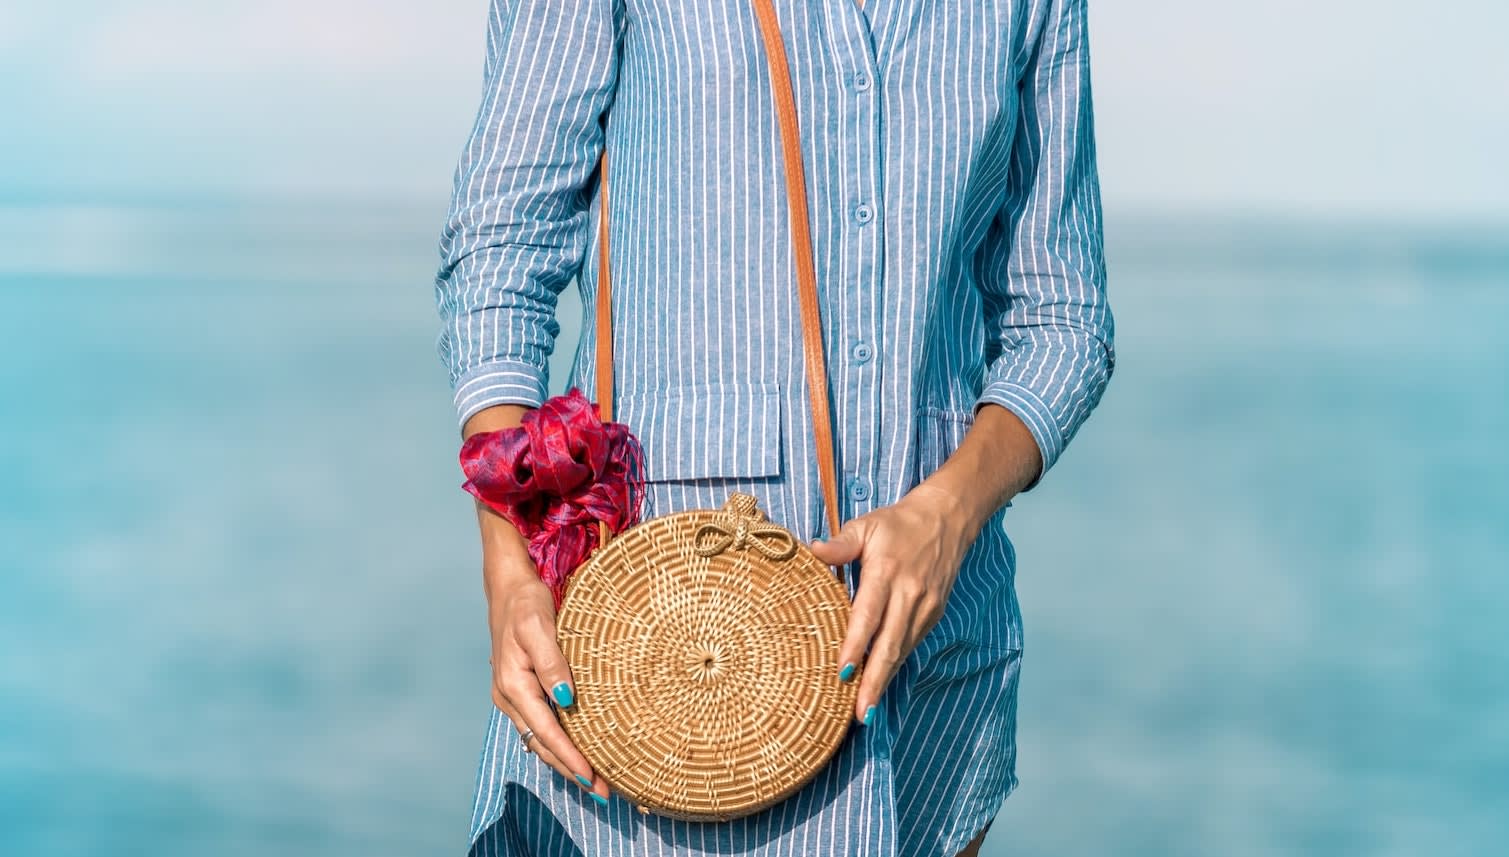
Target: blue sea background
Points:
(1266, 589)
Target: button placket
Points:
(861, 300)
(870, 249)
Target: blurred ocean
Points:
(240, 612)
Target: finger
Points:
(845, 546)
(552, 672)
(595, 786)
(537, 637)
(539, 716)
(864, 618)
(884, 659)
(534, 745)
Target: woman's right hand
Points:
(528, 669)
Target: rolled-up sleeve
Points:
(516, 228)
(1049, 328)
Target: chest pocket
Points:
(728, 430)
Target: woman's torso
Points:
(907, 125)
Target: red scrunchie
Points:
(554, 477)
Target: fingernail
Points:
(847, 672)
(562, 694)
(602, 801)
(869, 715)
(586, 783)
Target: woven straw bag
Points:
(704, 644)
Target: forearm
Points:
(1053, 372)
(493, 418)
(504, 551)
(996, 460)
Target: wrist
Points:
(503, 578)
(993, 463)
(953, 504)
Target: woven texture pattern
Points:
(704, 647)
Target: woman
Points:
(949, 159)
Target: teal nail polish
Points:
(562, 693)
(602, 801)
(869, 715)
(846, 673)
(586, 783)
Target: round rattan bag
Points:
(704, 648)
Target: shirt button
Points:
(859, 489)
(862, 352)
(864, 213)
(861, 81)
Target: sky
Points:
(1345, 106)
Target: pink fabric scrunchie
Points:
(554, 477)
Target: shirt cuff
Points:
(498, 382)
(1032, 411)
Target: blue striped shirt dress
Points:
(950, 161)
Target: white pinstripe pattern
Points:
(975, 275)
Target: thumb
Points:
(844, 547)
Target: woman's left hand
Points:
(910, 554)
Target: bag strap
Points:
(806, 276)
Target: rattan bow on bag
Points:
(703, 644)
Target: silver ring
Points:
(524, 739)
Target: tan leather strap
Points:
(806, 274)
(604, 301)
